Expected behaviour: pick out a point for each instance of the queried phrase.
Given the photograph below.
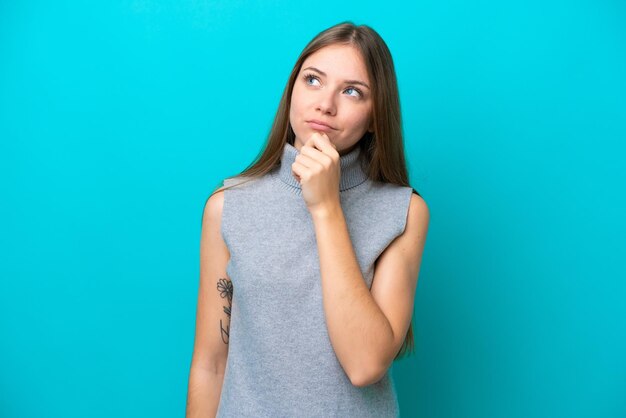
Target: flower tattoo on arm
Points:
(225, 287)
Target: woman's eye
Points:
(358, 92)
(309, 77)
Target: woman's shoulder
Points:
(387, 187)
(238, 183)
(234, 181)
(385, 192)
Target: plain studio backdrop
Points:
(118, 118)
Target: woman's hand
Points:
(317, 169)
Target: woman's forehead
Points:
(338, 61)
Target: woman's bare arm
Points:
(210, 350)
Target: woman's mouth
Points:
(318, 126)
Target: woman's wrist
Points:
(325, 211)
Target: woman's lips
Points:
(320, 127)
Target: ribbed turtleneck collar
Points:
(351, 167)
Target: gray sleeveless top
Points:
(280, 360)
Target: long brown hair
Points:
(383, 148)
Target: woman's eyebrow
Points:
(346, 81)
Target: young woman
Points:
(310, 256)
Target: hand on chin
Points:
(317, 169)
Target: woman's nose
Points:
(326, 104)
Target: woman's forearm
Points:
(203, 395)
(356, 325)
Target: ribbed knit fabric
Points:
(281, 362)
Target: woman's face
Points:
(333, 88)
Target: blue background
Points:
(118, 118)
